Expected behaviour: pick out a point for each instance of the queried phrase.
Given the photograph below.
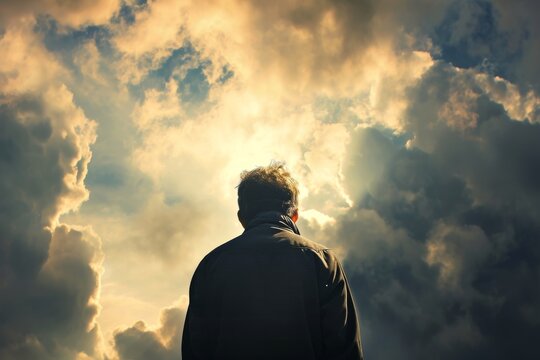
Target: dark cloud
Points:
(138, 342)
(49, 272)
(500, 35)
(518, 18)
(441, 245)
(492, 153)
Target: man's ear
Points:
(294, 216)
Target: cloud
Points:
(520, 105)
(166, 231)
(156, 31)
(518, 22)
(497, 35)
(282, 49)
(458, 251)
(412, 127)
(88, 61)
(412, 238)
(50, 271)
(436, 240)
(159, 107)
(488, 155)
(71, 13)
(139, 342)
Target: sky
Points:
(413, 128)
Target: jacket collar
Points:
(274, 218)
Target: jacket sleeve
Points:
(197, 334)
(339, 322)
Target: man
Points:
(270, 293)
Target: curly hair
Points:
(267, 188)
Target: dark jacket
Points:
(270, 294)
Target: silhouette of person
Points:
(270, 293)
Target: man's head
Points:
(267, 188)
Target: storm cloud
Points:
(413, 128)
(442, 244)
(50, 271)
(139, 342)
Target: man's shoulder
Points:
(299, 241)
(284, 242)
(216, 252)
(284, 238)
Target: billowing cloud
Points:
(50, 271)
(412, 127)
(145, 43)
(71, 13)
(300, 48)
(521, 30)
(435, 242)
(282, 49)
(139, 342)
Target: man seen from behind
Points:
(270, 293)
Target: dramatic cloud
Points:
(436, 243)
(412, 127)
(71, 13)
(138, 342)
(156, 31)
(50, 271)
